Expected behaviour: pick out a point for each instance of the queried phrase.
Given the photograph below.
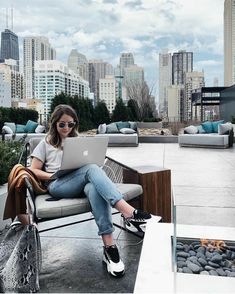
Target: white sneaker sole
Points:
(118, 273)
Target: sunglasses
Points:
(70, 125)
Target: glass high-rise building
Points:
(34, 48)
(229, 42)
(9, 46)
(182, 62)
(165, 79)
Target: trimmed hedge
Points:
(17, 115)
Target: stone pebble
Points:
(194, 267)
(198, 259)
(216, 258)
(213, 273)
(187, 270)
(183, 254)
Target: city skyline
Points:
(103, 29)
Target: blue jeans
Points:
(100, 190)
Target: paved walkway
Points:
(203, 179)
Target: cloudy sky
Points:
(102, 29)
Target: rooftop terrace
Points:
(203, 181)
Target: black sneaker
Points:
(137, 223)
(114, 264)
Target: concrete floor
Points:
(203, 182)
(203, 179)
(72, 259)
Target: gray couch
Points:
(212, 140)
(12, 131)
(120, 134)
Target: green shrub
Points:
(233, 119)
(17, 115)
(10, 153)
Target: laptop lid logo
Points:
(85, 153)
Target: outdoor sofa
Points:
(209, 134)
(122, 133)
(12, 131)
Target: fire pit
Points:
(205, 257)
(156, 271)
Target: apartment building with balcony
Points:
(53, 77)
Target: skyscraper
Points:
(193, 80)
(126, 60)
(10, 46)
(165, 80)
(229, 42)
(34, 48)
(53, 77)
(182, 62)
(79, 64)
(98, 69)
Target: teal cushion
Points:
(20, 128)
(122, 124)
(215, 125)
(200, 129)
(31, 126)
(11, 125)
(112, 128)
(133, 125)
(207, 126)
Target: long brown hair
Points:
(53, 137)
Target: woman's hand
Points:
(36, 167)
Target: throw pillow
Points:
(224, 129)
(127, 131)
(191, 130)
(112, 128)
(11, 125)
(133, 125)
(215, 125)
(201, 130)
(31, 126)
(102, 129)
(7, 130)
(40, 129)
(122, 124)
(20, 128)
(207, 126)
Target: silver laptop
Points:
(80, 151)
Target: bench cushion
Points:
(71, 206)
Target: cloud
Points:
(134, 4)
(104, 28)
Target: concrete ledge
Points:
(158, 139)
(3, 195)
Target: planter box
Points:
(149, 125)
(158, 139)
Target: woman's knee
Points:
(89, 190)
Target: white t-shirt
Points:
(49, 155)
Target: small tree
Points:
(120, 111)
(140, 92)
(134, 111)
(101, 113)
(61, 98)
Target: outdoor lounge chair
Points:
(43, 210)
